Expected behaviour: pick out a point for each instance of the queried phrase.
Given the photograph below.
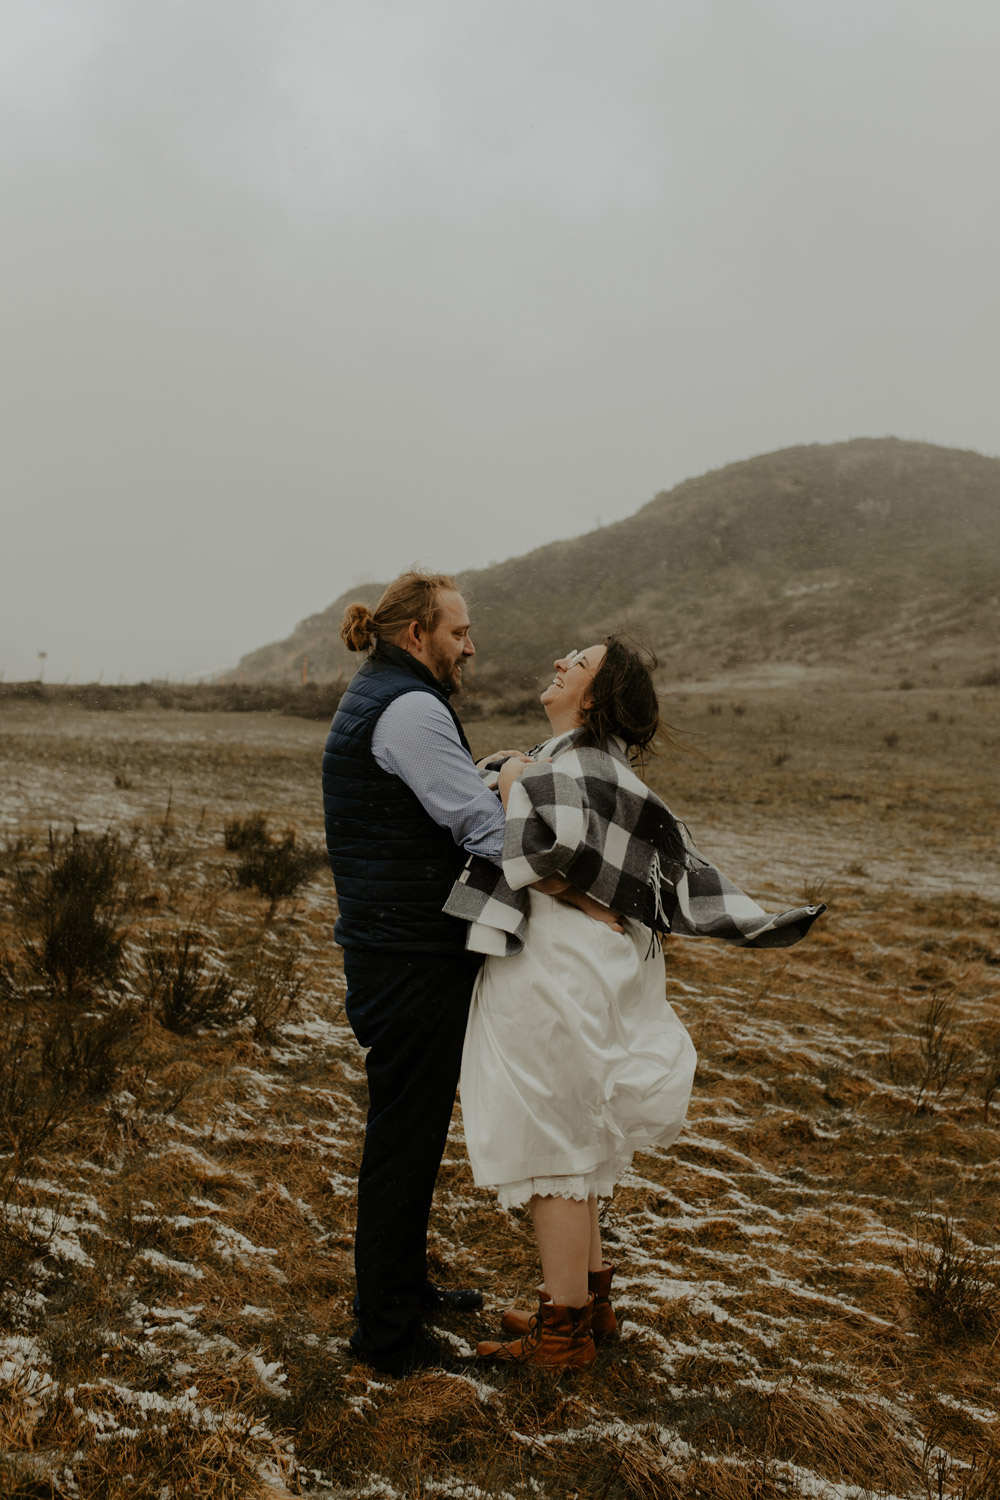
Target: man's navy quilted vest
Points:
(393, 865)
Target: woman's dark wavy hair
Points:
(623, 700)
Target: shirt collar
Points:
(400, 658)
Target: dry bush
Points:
(30, 1109)
(69, 910)
(13, 848)
(981, 1481)
(940, 1060)
(276, 867)
(54, 1062)
(312, 700)
(956, 1284)
(165, 849)
(185, 987)
(19, 1246)
(989, 1067)
(10, 987)
(270, 983)
(82, 1054)
(245, 833)
(93, 1315)
(50, 1064)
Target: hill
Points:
(876, 555)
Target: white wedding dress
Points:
(573, 1058)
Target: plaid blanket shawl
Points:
(587, 817)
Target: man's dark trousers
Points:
(410, 1011)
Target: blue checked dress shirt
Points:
(415, 739)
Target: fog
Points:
(299, 293)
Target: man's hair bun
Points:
(357, 628)
(414, 595)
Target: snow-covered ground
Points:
(177, 1256)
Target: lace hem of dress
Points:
(600, 1183)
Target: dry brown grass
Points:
(806, 1282)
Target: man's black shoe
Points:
(463, 1300)
(424, 1353)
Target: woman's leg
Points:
(564, 1231)
(596, 1260)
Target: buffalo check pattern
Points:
(587, 817)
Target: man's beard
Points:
(443, 665)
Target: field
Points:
(808, 1282)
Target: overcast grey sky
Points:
(298, 291)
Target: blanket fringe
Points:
(660, 920)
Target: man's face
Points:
(447, 648)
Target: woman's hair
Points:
(623, 700)
(411, 596)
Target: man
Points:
(404, 806)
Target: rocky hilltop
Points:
(874, 555)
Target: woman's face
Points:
(568, 690)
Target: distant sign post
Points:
(41, 664)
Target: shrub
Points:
(164, 850)
(13, 848)
(245, 833)
(989, 1072)
(982, 1480)
(29, 1109)
(9, 987)
(271, 983)
(70, 911)
(941, 1059)
(184, 989)
(82, 1053)
(49, 1067)
(276, 867)
(314, 700)
(953, 1281)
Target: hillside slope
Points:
(869, 554)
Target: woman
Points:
(573, 1058)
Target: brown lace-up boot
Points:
(603, 1322)
(555, 1336)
